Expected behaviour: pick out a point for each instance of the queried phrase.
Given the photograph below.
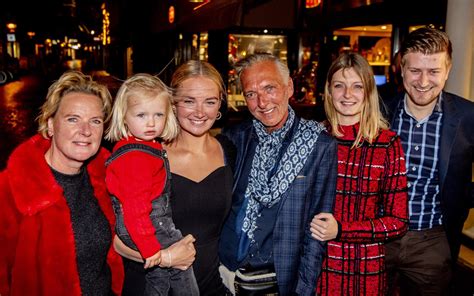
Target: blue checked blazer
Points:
(456, 155)
(297, 256)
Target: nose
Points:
(86, 129)
(151, 122)
(347, 92)
(262, 100)
(199, 110)
(423, 79)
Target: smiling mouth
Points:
(348, 103)
(81, 143)
(423, 89)
(267, 111)
(194, 121)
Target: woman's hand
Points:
(324, 227)
(179, 255)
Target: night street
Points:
(299, 147)
(19, 104)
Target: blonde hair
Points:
(371, 119)
(195, 68)
(71, 82)
(152, 88)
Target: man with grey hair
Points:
(285, 173)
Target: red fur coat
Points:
(37, 252)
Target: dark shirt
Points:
(260, 253)
(92, 234)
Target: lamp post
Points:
(11, 27)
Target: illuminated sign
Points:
(171, 14)
(312, 3)
(11, 37)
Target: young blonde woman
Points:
(371, 194)
(201, 167)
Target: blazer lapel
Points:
(448, 134)
(392, 107)
(244, 144)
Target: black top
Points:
(92, 235)
(200, 209)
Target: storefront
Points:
(223, 32)
(308, 38)
(241, 45)
(374, 28)
(373, 43)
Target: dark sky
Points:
(51, 16)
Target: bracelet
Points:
(169, 259)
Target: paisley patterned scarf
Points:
(264, 189)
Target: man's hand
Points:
(153, 260)
(179, 255)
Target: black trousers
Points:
(134, 283)
(419, 263)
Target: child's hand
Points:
(154, 260)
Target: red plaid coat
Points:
(371, 207)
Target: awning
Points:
(213, 15)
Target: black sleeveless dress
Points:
(200, 209)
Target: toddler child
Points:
(138, 178)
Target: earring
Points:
(219, 115)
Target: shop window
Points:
(372, 42)
(203, 44)
(241, 45)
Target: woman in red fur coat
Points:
(56, 218)
(371, 194)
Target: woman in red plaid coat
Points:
(371, 194)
